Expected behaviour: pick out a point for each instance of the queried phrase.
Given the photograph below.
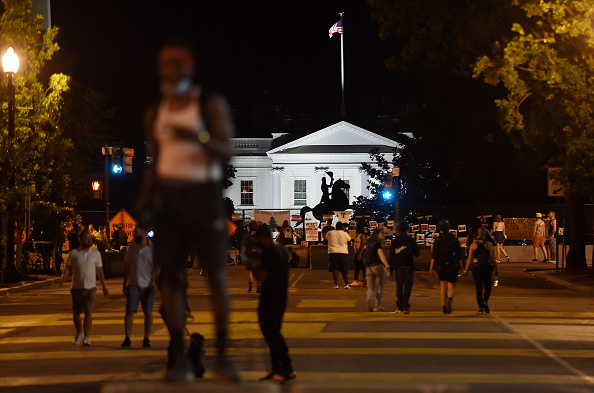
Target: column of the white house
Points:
(276, 187)
(364, 184)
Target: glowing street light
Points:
(10, 61)
(10, 64)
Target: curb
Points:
(29, 286)
(563, 283)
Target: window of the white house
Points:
(247, 192)
(300, 192)
(347, 192)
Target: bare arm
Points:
(431, 267)
(101, 277)
(65, 274)
(470, 256)
(554, 226)
(382, 257)
(221, 128)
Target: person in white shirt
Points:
(139, 284)
(538, 238)
(84, 265)
(338, 254)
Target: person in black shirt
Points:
(402, 265)
(445, 258)
(272, 269)
(481, 255)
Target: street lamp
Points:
(10, 64)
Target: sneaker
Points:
(78, 339)
(444, 309)
(406, 312)
(545, 260)
(449, 306)
(534, 261)
(379, 309)
(290, 375)
(146, 343)
(370, 306)
(259, 288)
(126, 343)
(250, 290)
(498, 261)
(86, 342)
(397, 311)
(487, 309)
(355, 284)
(347, 286)
(507, 259)
(481, 311)
(336, 287)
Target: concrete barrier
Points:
(113, 263)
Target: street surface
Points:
(539, 338)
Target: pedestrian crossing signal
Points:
(97, 187)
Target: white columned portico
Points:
(276, 186)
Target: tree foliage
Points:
(547, 70)
(55, 128)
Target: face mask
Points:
(138, 239)
(179, 88)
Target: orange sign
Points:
(124, 220)
(231, 228)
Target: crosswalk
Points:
(330, 339)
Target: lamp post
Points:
(10, 64)
(396, 184)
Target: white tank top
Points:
(182, 159)
(499, 226)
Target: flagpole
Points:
(343, 105)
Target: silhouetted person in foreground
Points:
(189, 133)
(272, 268)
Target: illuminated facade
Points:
(285, 171)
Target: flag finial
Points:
(340, 13)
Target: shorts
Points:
(538, 241)
(448, 275)
(190, 221)
(146, 297)
(338, 262)
(83, 300)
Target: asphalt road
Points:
(539, 338)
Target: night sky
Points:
(259, 54)
(256, 53)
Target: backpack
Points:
(445, 252)
(370, 256)
(482, 255)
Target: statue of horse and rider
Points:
(333, 199)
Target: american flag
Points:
(336, 28)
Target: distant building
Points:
(285, 171)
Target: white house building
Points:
(285, 171)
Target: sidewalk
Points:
(581, 282)
(41, 282)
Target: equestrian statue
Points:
(333, 199)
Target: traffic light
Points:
(97, 187)
(388, 195)
(128, 155)
(388, 183)
(117, 161)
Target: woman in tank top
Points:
(499, 236)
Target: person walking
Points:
(84, 266)
(359, 247)
(402, 252)
(499, 237)
(271, 267)
(338, 254)
(481, 256)
(552, 237)
(377, 266)
(538, 238)
(249, 249)
(445, 259)
(189, 134)
(139, 284)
